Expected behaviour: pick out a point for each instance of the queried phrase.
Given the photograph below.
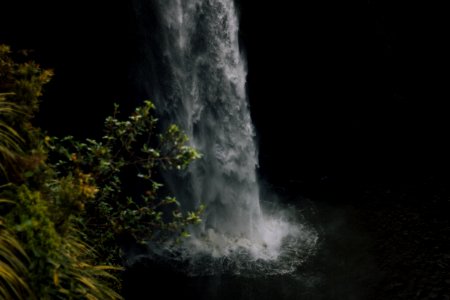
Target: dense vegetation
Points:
(68, 207)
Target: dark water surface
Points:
(392, 244)
(342, 268)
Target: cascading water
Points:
(196, 75)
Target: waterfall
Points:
(195, 73)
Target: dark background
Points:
(348, 91)
(87, 44)
(338, 91)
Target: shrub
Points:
(57, 195)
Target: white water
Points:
(198, 81)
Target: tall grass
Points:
(10, 140)
(13, 267)
(42, 253)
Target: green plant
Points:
(60, 263)
(10, 140)
(21, 85)
(42, 251)
(58, 193)
(130, 148)
(13, 266)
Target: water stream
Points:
(196, 75)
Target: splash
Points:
(197, 75)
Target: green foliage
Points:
(58, 193)
(9, 138)
(60, 264)
(21, 85)
(22, 80)
(13, 266)
(129, 149)
(42, 253)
